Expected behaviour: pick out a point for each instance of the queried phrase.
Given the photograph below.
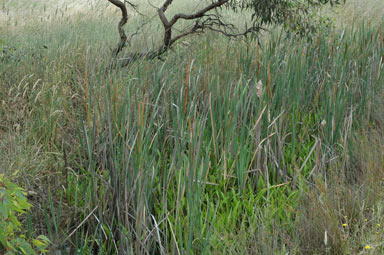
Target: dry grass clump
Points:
(356, 10)
(343, 214)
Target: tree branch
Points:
(205, 20)
(123, 21)
(165, 5)
(198, 14)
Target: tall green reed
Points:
(162, 135)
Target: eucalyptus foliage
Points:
(299, 16)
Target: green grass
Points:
(225, 147)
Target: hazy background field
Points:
(223, 147)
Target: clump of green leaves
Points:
(13, 203)
(298, 17)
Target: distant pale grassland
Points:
(25, 12)
(43, 10)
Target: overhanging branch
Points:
(204, 18)
(123, 21)
(199, 14)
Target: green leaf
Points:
(25, 247)
(3, 211)
(38, 243)
(43, 237)
(3, 237)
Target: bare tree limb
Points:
(198, 14)
(166, 5)
(167, 40)
(205, 20)
(123, 21)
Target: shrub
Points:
(13, 203)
